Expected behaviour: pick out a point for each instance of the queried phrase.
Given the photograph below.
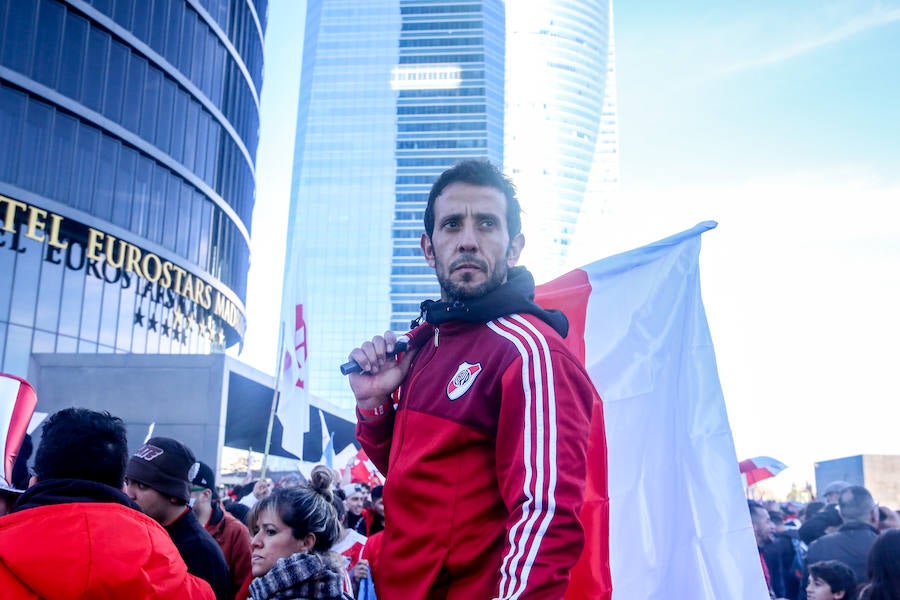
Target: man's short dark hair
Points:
(77, 443)
(856, 503)
(480, 173)
(836, 574)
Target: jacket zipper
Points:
(436, 330)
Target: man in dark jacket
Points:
(851, 543)
(158, 478)
(232, 536)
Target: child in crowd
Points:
(831, 580)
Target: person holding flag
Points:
(486, 414)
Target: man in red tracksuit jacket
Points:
(482, 425)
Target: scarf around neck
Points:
(300, 575)
(514, 296)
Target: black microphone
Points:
(353, 366)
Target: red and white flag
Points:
(17, 403)
(665, 514)
(293, 402)
(759, 468)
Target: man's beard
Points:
(453, 291)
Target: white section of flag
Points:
(679, 523)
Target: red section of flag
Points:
(590, 578)
(363, 471)
(19, 401)
(299, 332)
(568, 293)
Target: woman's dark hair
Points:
(837, 575)
(884, 567)
(305, 509)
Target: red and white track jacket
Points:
(485, 462)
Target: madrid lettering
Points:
(113, 259)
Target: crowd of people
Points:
(155, 524)
(497, 428)
(841, 547)
(481, 422)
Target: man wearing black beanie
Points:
(158, 478)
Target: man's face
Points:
(201, 499)
(763, 527)
(154, 504)
(354, 503)
(470, 249)
(819, 589)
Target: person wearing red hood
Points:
(75, 534)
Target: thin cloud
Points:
(853, 27)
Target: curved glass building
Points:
(129, 131)
(557, 54)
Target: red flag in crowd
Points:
(363, 471)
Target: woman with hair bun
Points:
(292, 531)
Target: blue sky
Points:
(779, 120)
(714, 91)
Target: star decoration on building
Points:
(191, 321)
(177, 317)
(138, 318)
(203, 329)
(183, 337)
(165, 328)
(221, 338)
(151, 323)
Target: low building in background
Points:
(876, 472)
(205, 401)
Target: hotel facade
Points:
(127, 174)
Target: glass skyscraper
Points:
(392, 93)
(449, 82)
(556, 73)
(129, 132)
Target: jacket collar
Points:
(514, 296)
(64, 491)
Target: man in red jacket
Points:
(75, 534)
(486, 415)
